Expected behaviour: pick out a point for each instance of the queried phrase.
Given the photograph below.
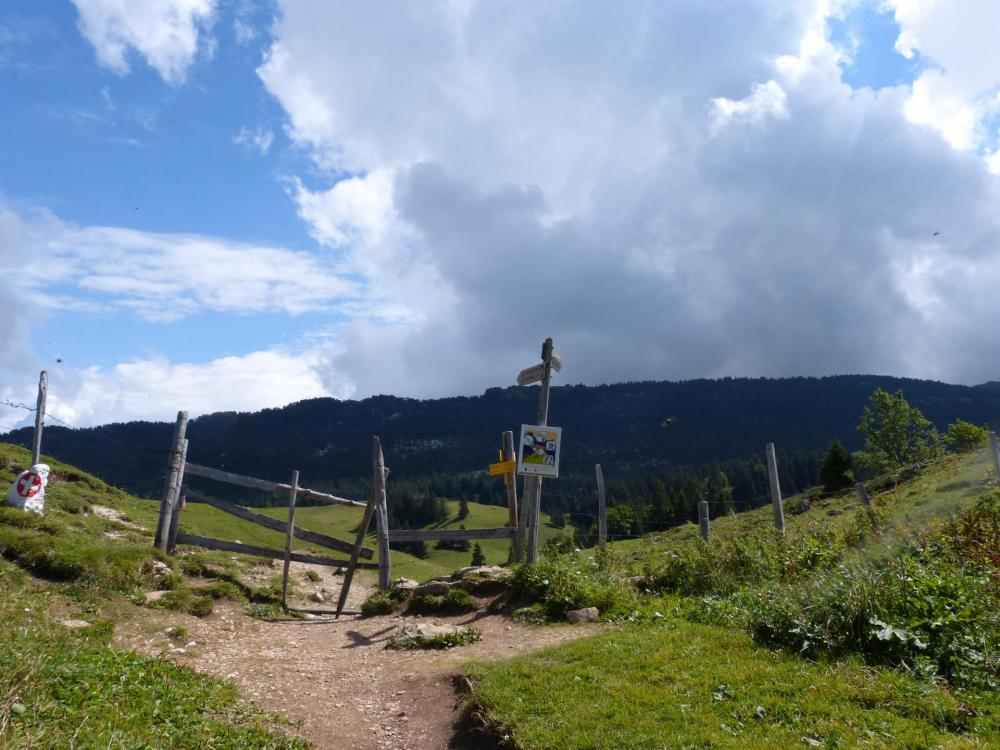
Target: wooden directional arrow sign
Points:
(504, 467)
(531, 374)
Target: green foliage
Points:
(964, 436)
(313, 576)
(478, 558)
(561, 583)
(561, 544)
(896, 434)
(462, 637)
(455, 602)
(190, 601)
(382, 602)
(837, 470)
(463, 509)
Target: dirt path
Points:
(336, 677)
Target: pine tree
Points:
(463, 509)
(837, 470)
(478, 558)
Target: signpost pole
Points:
(535, 483)
(509, 480)
(36, 443)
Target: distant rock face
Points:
(587, 614)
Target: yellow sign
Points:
(504, 467)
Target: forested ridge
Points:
(663, 445)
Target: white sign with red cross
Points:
(28, 490)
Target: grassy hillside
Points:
(66, 577)
(860, 629)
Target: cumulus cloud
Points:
(670, 190)
(958, 93)
(164, 32)
(164, 277)
(156, 389)
(259, 139)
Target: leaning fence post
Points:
(175, 516)
(703, 519)
(170, 486)
(289, 536)
(36, 442)
(863, 495)
(377, 498)
(510, 484)
(602, 509)
(772, 475)
(995, 450)
(382, 525)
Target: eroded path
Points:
(336, 679)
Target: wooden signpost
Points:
(36, 443)
(533, 484)
(772, 475)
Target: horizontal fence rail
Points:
(263, 484)
(275, 524)
(434, 535)
(249, 549)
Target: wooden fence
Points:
(168, 533)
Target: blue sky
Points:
(234, 204)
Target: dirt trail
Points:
(336, 677)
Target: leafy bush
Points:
(379, 603)
(455, 602)
(560, 584)
(932, 608)
(191, 601)
(312, 575)
(463, 637)
(964, 436)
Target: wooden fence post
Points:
(703, 519)
(382, 524)
(542, 420)
(36, 443)
(772, 475)
(289, 536)
(175, 516)
(863, 495)
(602, 509)
(170, 486)
(377, 498)
(995, 450)
(510, 483)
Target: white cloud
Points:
(156, 389)
(163, 277)
(165, 32)
(958, 92)
(538, 169)
(765, 100)
(259, 139)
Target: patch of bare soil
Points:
(336, 679)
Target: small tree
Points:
(837, 470)
(896, 434)
(463, 509)
(478, 558)
(964, 436)
(557, 519)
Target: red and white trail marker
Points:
(28, 490)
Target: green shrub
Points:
(559, 584)
(190, 601)
(312, 575)
(455, 602)
(379, 603)
(463, 637)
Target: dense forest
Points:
(663, 445)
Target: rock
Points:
(73, 624)
(155, 596)
(437, 588)
(639, 582)
(317, 596)
(159, 568)
(405, 584)
(587, 614)
(428, 630)
(481, 571)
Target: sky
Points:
(237, 204)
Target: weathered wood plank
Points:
(249, 549)
(703, 521)
(175, 517)
(772, 475)
(434, 535)
(373, 502)
(263, 484)
(510, 482)
(170, 487)
(289, 535)
(36, 438)
(602, 508)
(276, 525)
